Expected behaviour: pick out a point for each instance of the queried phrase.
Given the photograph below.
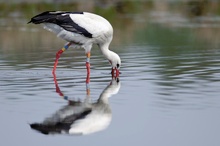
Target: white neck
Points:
(110, 55)
(105, 51)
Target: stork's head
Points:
(116, 64)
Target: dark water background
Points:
(168, 92)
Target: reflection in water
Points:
(80, 117)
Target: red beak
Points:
(115, 72)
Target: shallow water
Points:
(167, 94)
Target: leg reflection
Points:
(87, 84)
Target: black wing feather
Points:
(59, 126)
(62, 19)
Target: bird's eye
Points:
(118, 65)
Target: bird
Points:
(80, 117)
(80, 30)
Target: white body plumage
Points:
(100, 35)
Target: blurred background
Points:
(133, 21)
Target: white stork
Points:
(80, 29)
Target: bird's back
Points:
(74, 24)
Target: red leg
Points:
(88, 62)
(88, 73)
(58, 56)
(56, 85)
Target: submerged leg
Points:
(58, 55)
(88, 62)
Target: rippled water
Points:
(167, 94)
